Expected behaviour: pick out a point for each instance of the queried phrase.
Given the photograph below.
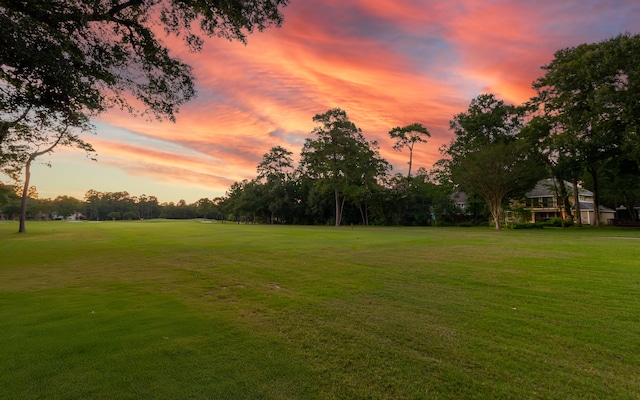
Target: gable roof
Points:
(588, 206)
(545, 188)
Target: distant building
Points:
(543, 205)
(76, 216)
(460, 200)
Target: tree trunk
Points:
(25, 196)
(27, 177)
(410, 162)
(364, 214)
(338, 207)
(496, 211)
(596, 203)
(566, 205)
(558, 201)
(576, 200)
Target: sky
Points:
(387, 63)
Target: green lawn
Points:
(178, 310)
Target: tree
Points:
(130, 215)
(114, 215)
(9, 201)
(67, 205)
(40, 141)
(204, 207)
(148, 207)
(371, 171)
(591, 96)
(65, 56)
(100, 205)
(339, 158)
(245, 200)
(276, 170)
(408, 136)
(487, 155)
(548, 146)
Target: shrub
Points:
(525, 225)
(557, 222)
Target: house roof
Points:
(545, 188)
(588, 206)
(459, 197)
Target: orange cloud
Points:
(387, 63)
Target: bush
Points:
(130, 215)
(526, 225)
(557, 222)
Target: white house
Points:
(543, 205)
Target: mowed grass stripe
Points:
(176, 309)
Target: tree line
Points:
(62, 66)
(581, 126)
(63, 63)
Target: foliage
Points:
(590, 97)
(100, 204)
(488, 156)
(559, 223)
(277, 172)
(341, 160)
(9, 201)
(525, 225)
(66, 56)
(114, 215)
(66, 206)
(407, 137)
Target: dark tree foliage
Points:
(9, 201)
(65, 56)
(488, 156)
(276, 172)
(590, 96)
(408, 136)
(341, 160)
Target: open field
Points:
(168, 310)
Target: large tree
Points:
(276, 171)
(590, 94)
(38, 140)
(488, 156)
(70, 55)
(340, 159)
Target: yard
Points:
(184, 309)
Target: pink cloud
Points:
(387, 63)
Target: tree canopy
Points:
(488, 156)
(408, 136)
(65, 56)
(340, 158)
(590, 96)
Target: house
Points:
(76, 216)
(460, 200)
(543, 205)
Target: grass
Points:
(168, 309)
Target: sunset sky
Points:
(387, 63)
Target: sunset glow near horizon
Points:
(387, 63)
